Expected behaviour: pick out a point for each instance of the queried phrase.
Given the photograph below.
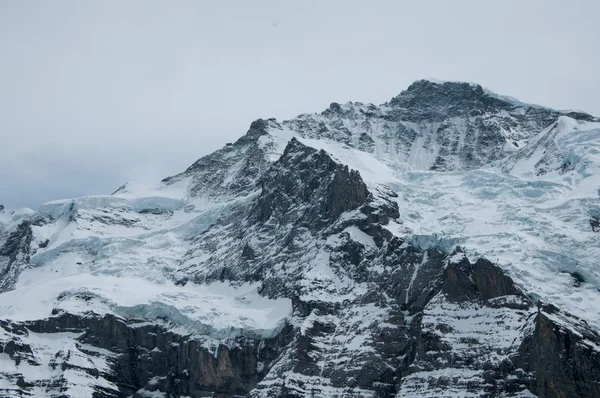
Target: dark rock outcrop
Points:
(305, 177)
(148, 357)
(476, 282)
(562, 356)
(232, 171)
(16, 253)
(595, 223)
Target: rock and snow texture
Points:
(442, 244)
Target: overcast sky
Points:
(94, 94)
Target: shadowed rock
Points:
(309, 181)
(563, 356)
(16, 250)
(141, 353)
(480, 281)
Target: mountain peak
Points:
(432, 93)
(318, 251)
(446, 85)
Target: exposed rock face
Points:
(595, 223)
(14, 254)
(476, 282)
(310, 178)
(232, 170)
(141, 358)
(561, 356)
(373, 313)
(437, 126)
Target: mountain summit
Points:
(442, 244)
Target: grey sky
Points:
(93, 94)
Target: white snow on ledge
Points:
(217, 310)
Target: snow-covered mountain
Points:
(443, 244)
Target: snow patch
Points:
(216, 310)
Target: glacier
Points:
(321, 245)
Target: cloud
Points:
(95, 94)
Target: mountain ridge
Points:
(407, 249)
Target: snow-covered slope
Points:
(441, 244)
(433, 126)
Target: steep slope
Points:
(433, 125)
(432, 246)
(15, 242)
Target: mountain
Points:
(442, 244)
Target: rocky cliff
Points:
(432, 246)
